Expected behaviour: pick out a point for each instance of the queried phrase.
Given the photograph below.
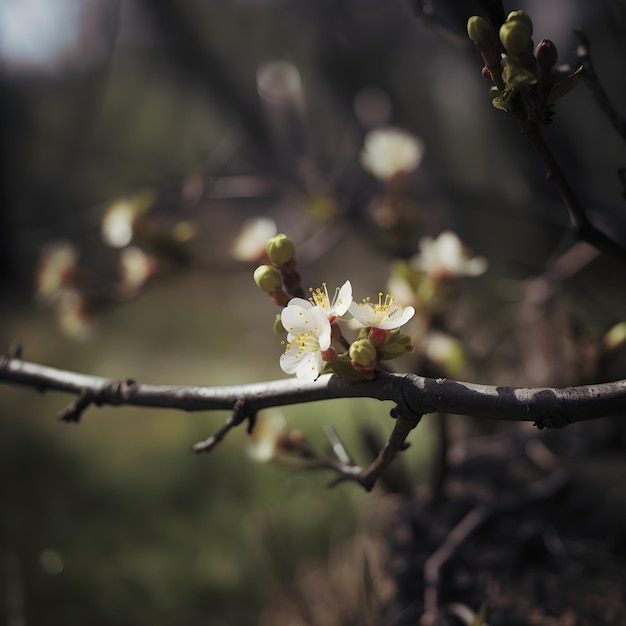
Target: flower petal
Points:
(301, 302)
(399, 316)
(304, 364)
(297, 319)
(343, 300)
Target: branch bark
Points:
(415, 395)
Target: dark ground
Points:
(537, 536)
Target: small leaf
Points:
(398, 344)
(502, 100)
(563, 87)
(343, 369)
(520, 78)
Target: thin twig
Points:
(339, 449)
(579, 220)
(405, 422)
(240, 413)
(583, 53)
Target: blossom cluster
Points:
(312, 327)
(315, 342)
(513, 64)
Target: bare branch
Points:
(579, 220)
(240, 413)
(415, 395)
(405, 423)
(583, 53)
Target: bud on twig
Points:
(480, 31)
(546, 55)
(363, 353)
(516, 37)
(268, 279)
(280, 249)
(486, 39)
(521, 17)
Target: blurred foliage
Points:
(114, 521)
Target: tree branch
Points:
(583, 53)
(579, 220)
(414, 395)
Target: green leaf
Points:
(520, 78)
(343, 369)
(398, 344)
(501, 101)
(563, 87)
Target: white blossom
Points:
(384, 314)
(308, 335)
(335, 307)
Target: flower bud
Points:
(363, 353)
(546, 55)
(480, 31)
(268, 279)
(522, 17)
(516, 37)
(280, 249)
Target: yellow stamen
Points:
(319, 297)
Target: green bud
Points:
(280, 249)
(523, 18)
(546, 55)
(480, 30)
(363, 352)
(268, 279)
(516, 37)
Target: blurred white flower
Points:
(402, 290)
(388, 151)
(135, 267)
(263, 443)
(120, 219)
(249, 245)
(56, 269)
(446, 257)
(118, 224)
(446, 351)
(72, 316)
